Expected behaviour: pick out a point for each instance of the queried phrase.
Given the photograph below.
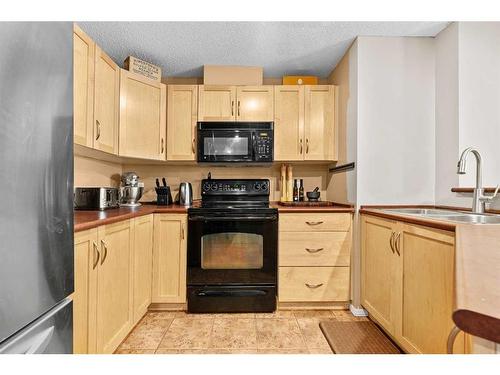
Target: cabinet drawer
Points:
(325, 284)
(310, 222)
(314, 249)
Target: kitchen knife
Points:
(164, 181)
(157, 183)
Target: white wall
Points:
(467, 105)
(395, 121)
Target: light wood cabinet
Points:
(313, 284)
(106, 102)
(143, 265)
(142, 117)
(289, 122)
(83, 83)
(86, 258)
(114, 310)
(407, 283)
(182, 115)
(380, 272)
(427, 269)
(169, 258)
(216, 103)
(304, 122)
(235, 103)
(319, 123)
(314, 258)
(254, 103)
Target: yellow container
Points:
(300, 80)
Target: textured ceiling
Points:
(182, 48)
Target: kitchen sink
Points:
(447, 215)
(423, 211)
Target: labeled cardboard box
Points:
(144, 68)
(233, 75)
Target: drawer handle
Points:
(312, 251)
(314, 222)
(314, 286)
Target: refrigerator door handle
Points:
(39, 342)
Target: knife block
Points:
(163, 196)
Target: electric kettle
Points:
(185, 194)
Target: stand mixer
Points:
(131, 190)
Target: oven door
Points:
(225, 145)
(232, 250)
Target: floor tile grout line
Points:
(164, 333)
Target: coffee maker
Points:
(131, 190)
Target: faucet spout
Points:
(477, 203)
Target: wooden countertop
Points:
(471, 190)
(92, 219)
(477, 280)
(411, 219)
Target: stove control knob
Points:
(256, 186)
(206, 186)
(263, 186)
(214, 186)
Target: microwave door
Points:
(227, 146)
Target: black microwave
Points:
(235, 142)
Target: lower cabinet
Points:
(314, 258)
(112, 283)
(143, 265)
(407, 283)
(169, 258)
(113, 317)
(85, 261)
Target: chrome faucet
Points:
(478, 199)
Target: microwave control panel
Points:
(263, 146)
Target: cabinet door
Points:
(83, 87)
(182, 114)
(143, 262)
(169, 259)
(255, 103)
(320, 122)
(143, 125)
(427, 261)
(86, 259)
(216, 103)
(106, 102)
(114, 315)
(380, 273)
(288, 123)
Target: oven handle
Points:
(231, 293)
(233, 218)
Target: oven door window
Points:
(232, 251)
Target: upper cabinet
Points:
(106, 101)
(96, 95)
(142, 117)
(320, 123)
(83, 83)
(254, 103)
(216, 103)
(235, 103)
(182, 115)
(288, 122)
(304, 120)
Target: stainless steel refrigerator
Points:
(36, 187)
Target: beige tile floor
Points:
(282, 332)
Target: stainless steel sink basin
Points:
(447, 215)
(423, 211)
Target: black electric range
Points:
(232, 248)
